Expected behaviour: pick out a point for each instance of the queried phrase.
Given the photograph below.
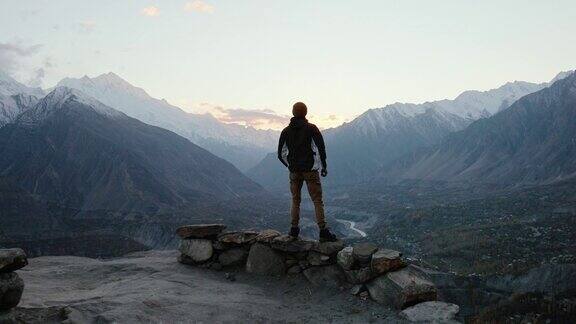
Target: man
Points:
(301, 149)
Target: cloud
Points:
(328, 121)
(151, 11)
(87, 26)
(198, 6)
(258, 118)
(11, 55)
(37, 77)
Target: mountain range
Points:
(73, 149)
(242, 146)
(85, 170)
(15, 98)
(359, 150)
(533, 142)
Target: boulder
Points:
(240, 237)
(363, 252)
(328, 248)
(196, 249)
(385, 260)
(11, 288)
(401, 289)
(327, 276)
(431, 312)
(233, 256)
(12, 260)
(345, 258)
(359, 276)
(264, 260)
(316, 259)
(286, 243)
(266, 236)
(200, 230)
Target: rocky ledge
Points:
(364, 269)
(11, 285)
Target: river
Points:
(352, 226)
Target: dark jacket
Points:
(301, 146)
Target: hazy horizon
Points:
(248, 62)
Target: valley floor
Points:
(152, 287)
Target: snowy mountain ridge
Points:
(59, 97)
(243, 146)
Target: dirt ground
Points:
(152, 287)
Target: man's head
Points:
(299, 110)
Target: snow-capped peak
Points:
(60, 97)
(561, 75)
(108, 85)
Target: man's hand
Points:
(324, 172)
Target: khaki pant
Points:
(312, 180)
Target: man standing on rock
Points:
(301, 149)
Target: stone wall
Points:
(364, 268)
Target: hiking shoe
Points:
(294, 231)
(327, 236)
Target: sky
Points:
(248, 61)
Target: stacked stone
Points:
(11, 285)
(365, 268)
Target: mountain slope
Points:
(242, 146)
(74, 150)
(10, 87)
(15, 98)
(359, 149)
(532, 142)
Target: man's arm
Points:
(282, 149)
(319, 141)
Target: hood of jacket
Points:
(298, 122)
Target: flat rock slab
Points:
(240, 237)
(431, 312)
(401, 289)
(196, 249)
(363, 251)
(266, 236)
(286, 243)
(385, 260)
(264, 260)
(12, 260)
(200, 230)
(328, 276)
(11, 288)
